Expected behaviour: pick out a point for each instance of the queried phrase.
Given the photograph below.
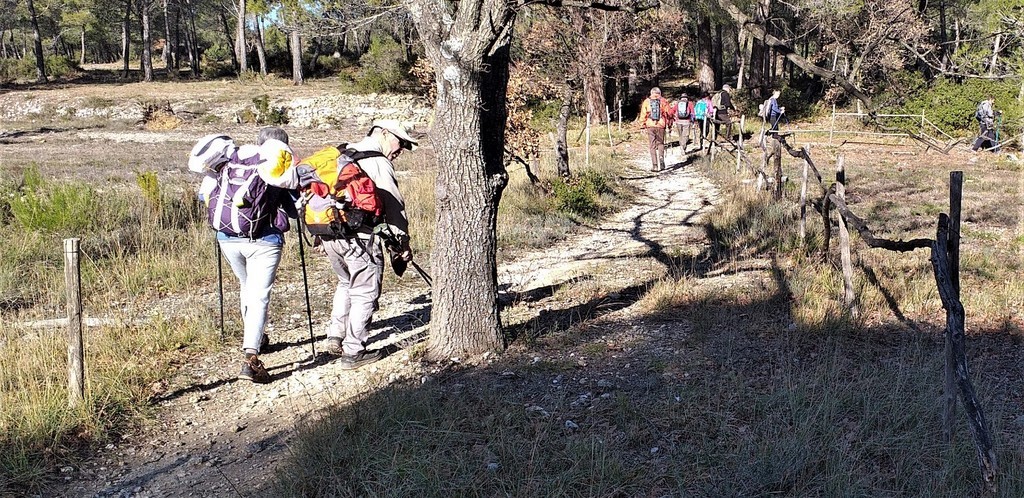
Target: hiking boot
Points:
(253, 369)
(333, 346)
(354, 361)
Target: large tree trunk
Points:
(194, 37)
(240, 48)
(471, 61)
(126, 37)
(231, 42)
(706, 71)
(995, 54)
(37, 44)
(166, 55)
(81, 59)
(716, 50)
(147, 42)
(295, 47)
(593, 89)
(261, 51)
(561, 130)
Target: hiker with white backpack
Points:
(684, 118)
(248, 203)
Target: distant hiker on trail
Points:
(250, 214)
(684, 117)
(986, 116)
(722, 103)
(702, 112)
(775, 113)
(357, 258)
(654, 118)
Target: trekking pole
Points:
(426, 278)
(305, 283)
(220, 287)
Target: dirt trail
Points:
(215, 436)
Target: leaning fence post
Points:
(587, 147)
(955, 318)
(956, 183)
(739, 148)
(777, 159)
(803, 196)
(849, 296)
(73, 284)
(832, 127)
(608, 114)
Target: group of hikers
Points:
(703, 116)
(347, 198)
(658, 117)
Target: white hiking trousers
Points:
(359, 264)
(255, 265)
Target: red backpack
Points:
(343, 199)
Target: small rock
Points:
(538, 411)
(239, 427)
(571, 426)
(604, 384)
(493, 466)
(65, 470)
(655, 450)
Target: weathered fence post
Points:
(803, 195)
(73, 284)
(739, 147)
(832, 127)
(608, 114)
(956, 183)
(955, 318)
(777, 159)
(587, 147)
(849, 296)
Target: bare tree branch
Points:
(758, 31)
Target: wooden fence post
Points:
(849, 295)
(777, 159)
(955, 318)
(73, 284)
(832, 127)
(608, 114)
(956, 183)
(803, 196)
(587, 147)
(739, 147)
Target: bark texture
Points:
(468, 44)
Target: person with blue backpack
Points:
(247, 195)
(702, 112)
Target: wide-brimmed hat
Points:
(398, 129)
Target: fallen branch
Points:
(869, 238)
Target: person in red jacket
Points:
(655, 118)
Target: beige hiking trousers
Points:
(359, 264)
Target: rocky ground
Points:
(214, 435)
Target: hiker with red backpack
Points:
(248, 204)
(654, 117)
(367, 191)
